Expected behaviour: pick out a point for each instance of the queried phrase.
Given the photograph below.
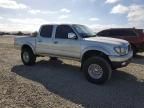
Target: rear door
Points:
(44, 40)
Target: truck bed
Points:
(21, 40)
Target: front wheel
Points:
(97, 70)
(27, 56)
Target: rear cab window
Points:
(46, 31)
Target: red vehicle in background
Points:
(134, 36)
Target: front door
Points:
(64, 46)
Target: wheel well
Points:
(26, 47)
(91, 53)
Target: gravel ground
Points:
(61, 84)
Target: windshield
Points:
(84, 31)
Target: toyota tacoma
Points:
(98, 55)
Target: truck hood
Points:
(107, 40)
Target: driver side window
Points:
(62, 31)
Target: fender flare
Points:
(100, 49)
(29, 45)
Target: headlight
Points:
(121, 50)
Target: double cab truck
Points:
(98, 55)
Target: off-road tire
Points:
(32, 57)
(104, 64)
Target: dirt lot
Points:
(62, 84)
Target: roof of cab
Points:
(60, 24)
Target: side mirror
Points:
(72, 36)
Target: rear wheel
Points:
(27, 56)
(97, 70)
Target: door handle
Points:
(55, 42)
(39, 40)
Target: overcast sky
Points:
(28, 15)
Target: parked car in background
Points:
(98, 55)
(134, 36)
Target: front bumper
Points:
(121, 61)
(116, 65)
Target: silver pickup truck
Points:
(98, 55)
